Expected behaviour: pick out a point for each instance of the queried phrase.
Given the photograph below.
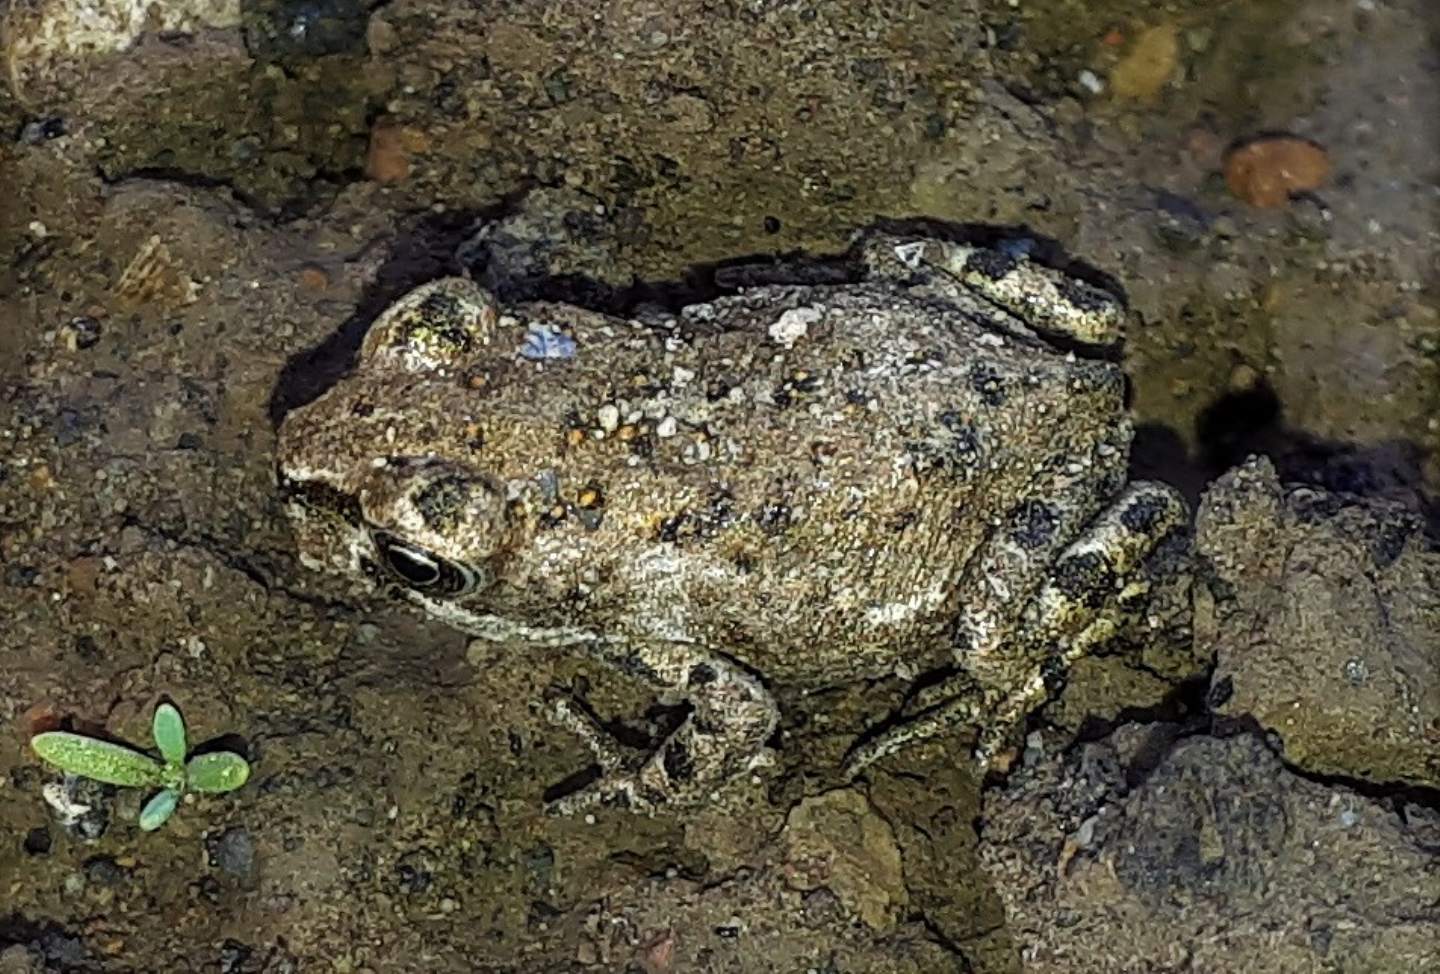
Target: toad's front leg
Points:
(732, 716)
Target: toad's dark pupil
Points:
(418, 569)
(415, 569)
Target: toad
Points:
(799, 483)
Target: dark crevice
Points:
(1186, 712)
(181, 177)
(1185, 704)
(1396, 795)
(1251, 422)
(1158, 452)
(944, 942)
(1393, 794)
(261, 577)
(1184, 715)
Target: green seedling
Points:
(116, 764)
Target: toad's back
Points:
(796, 476)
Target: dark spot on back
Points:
(1033, 524)
(990, 263)
(957, 453)
(669, 530)
(1143, 514)
(986, 381)
(631, 664)
(701, 674)
(440, 315)
(773, 519)
(717, 390)
(701, 523)
(902, 520)
(1084, 296)
(1085, 578)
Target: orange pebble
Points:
(1267, 171)
(313, 278)
(388, 160)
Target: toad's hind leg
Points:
(732, 717)
(1090, 594)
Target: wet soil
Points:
(195, 230)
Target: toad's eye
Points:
(421, 570)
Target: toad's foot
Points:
(1097, 588)
(726, 731)
(1056, 304)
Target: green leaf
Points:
(159, 809)
(169, 731)
(114, 764)
(220, 771)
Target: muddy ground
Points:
(196, 226)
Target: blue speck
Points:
(543, 342)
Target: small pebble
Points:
(233, 853)
(1149, 64)
(42, 130)
(79, 805)
(381, 36)
(387, 161)
(1268, 171)
(313, 278)
(793, 325)
(38, 841)
(103, 870)
(1243, 378)
(80, 332)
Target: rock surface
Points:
(1152, 852)
(555, 237)
(836, 841)
(49, 45)
(1324, 618)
